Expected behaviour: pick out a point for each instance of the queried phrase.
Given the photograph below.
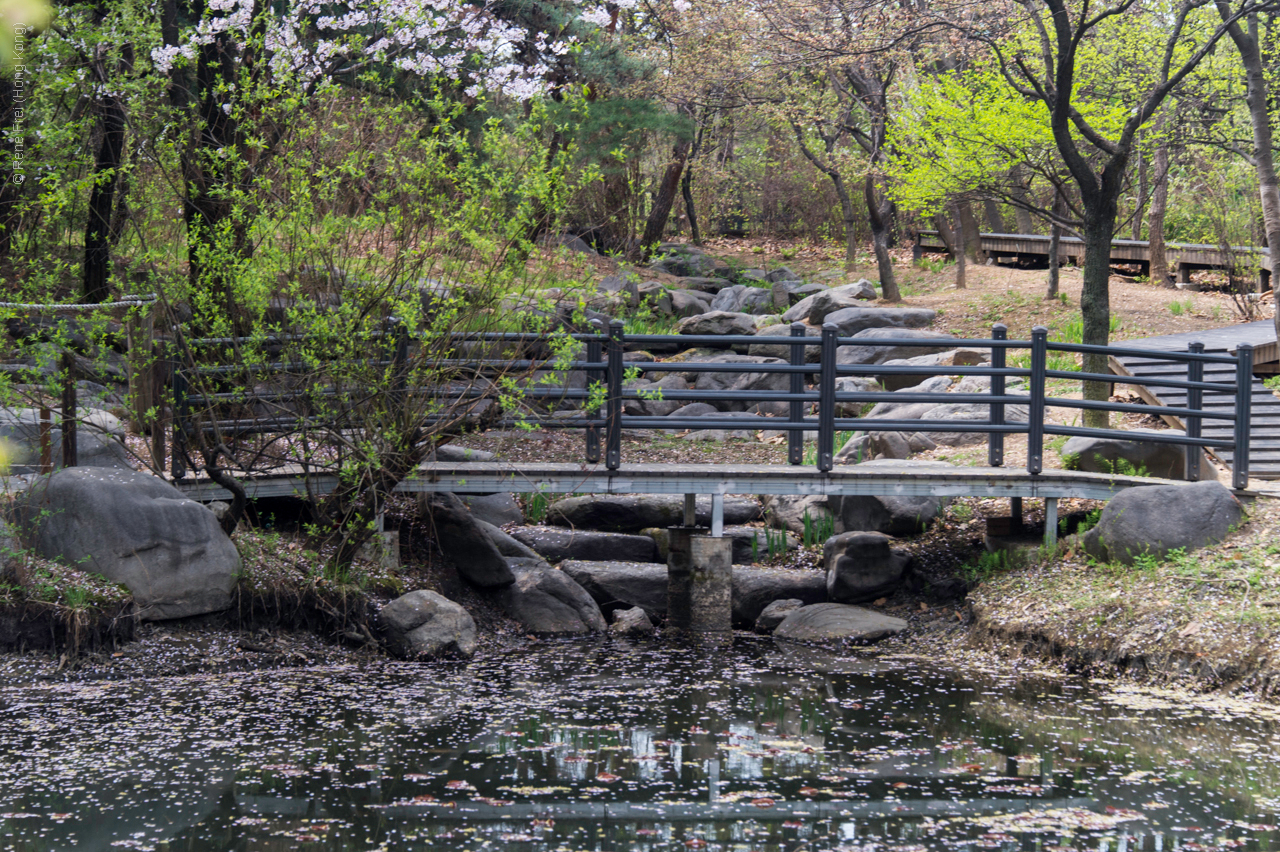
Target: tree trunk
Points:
(1158, 269)
(1021, 214)
(1142, 191)
(879, 214)
(1095, 302)
(106, 176)
(995, 219)
(1055, 245)
(686, 190)
(947, 234)
(972, 234)
(962, 260)
(666, 197)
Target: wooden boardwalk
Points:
(1264, 420)
(1184, 257)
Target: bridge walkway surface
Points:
(716, 480)
(1264, 414)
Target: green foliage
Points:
(1178, 308)
(817, 530)
(990, 563)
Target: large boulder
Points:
(812, 354)
(774, 614)
(426, 625)
(963, 357)
(788, 511)
(742, 299)
(756, 588)
(507, 545)
(889, 514)
(970, 412)
(548, 602)
(466, 544)
(867, 351)
(497, 509)
(1156, 519)
(850, 321)
(622, 585)
(135, 529)
(1134, 457)
(689, 303)
(751, 544)
(685, 264)
(557, 544)
(631, 622)
(862, 566)
(99, 440)
(635, 512)
(718, 323)
(839, 298)
(837, 624)
(738, 381)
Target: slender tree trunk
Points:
(1142, 190)
(1095, 300)
(850, 216)
(995, 219)
(972, 233)
(1256, 95)
(11, 188)
(686, 190)
(961, 256)
(106, 177)
(1055, 246)
(1022, 212)
(666, 197)
(947, 234)
(1158, 270)
(879, 215)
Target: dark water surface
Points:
(611, 746)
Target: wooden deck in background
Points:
(1264, 420)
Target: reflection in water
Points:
(611, 746)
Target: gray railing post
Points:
(1244, 404)
(595, 352)
(68, 410)
(1195, 399)
(795, 437)
(613, 403)
(1035, 406)
(995, 440)
(827, 399)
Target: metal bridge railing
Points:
(811, 394)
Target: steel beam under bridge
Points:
(879, 479)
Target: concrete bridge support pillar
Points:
(700, 585)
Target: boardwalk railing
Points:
(810, 393)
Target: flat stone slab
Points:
(556, 544)
(837, 624)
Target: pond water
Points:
(573, 746)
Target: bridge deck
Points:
(1264, 414)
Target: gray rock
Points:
(774, 614)
(653, 294)
(454, 453)
(912, 410)
(425, 625)
(556, 544)
(548, 602)
(496, 509)
(839, 298)
(686, 303)
(695, 409)
(622, 585)
(99, 440)
(1157, 519)
(135, 529)
(743, 299)
(716, 382)
(950, 358)
(624, 285)
(718, 323)
(756, 588)
(748, 434)
(854, 384)
(466, 544)
(782, 273)
(631, 622)
(685, 265)
(870, 353)
(707, 285)
(787, 511)
(1115, 455)
(887, 514)
(799, 291)
(863, 566)
(834, 623)
(782, 351)
(634, 512)
(507, 545)
(852, 320)
(962, 412)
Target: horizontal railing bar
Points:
(1154, 354)
(1132, 408)
(1153, 437)
(1212, 387)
